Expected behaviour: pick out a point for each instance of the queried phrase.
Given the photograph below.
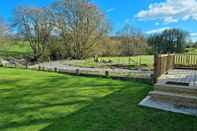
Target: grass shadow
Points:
(119, 111)
(72, 103)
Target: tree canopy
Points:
(76, 26)
(168, 41)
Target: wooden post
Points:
(26, 66)
(77, 71)
(55, 69)
(155, 75)
(107, 73)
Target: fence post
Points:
(77, 71)
(26, 65)
(55, 69)
(155, 75)
(107, 73)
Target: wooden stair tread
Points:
(173, 95)
(175, 86)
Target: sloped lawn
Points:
(15, 50)
(32, 101)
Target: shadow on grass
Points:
(119, 111)
(109, 113)
(38, 98)
(70, 103)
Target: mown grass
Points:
(32, 101)
(192, 50)
(14, 49)
(135, 61)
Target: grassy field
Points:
(192, 50)
(144, 60)
(20, 49)
(32, 101)
(16, 50)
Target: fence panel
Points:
(187, 61)
(164, 62)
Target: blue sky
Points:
(149, 15)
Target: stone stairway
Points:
(174, 98)
(177, 95)
(176, 89)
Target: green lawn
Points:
(145, 60)
(32, 101)
(192, 50)
(14, 49)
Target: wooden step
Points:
(176, 89)
(177, 99)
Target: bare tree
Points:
(132, 41)
(81, 25)
(34, 25)
(4, 30)
(76, 24)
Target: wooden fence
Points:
(165, 62)
(187, 61)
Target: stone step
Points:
(176, 89)
(177, 99)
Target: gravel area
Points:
(62, 67)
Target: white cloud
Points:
(170, 11)
(170, 20)
(157, 23)
(127, 20)
(159, 30)
(110, 10)
(193, 36)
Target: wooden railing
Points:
(187, 61)
(163, 63)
